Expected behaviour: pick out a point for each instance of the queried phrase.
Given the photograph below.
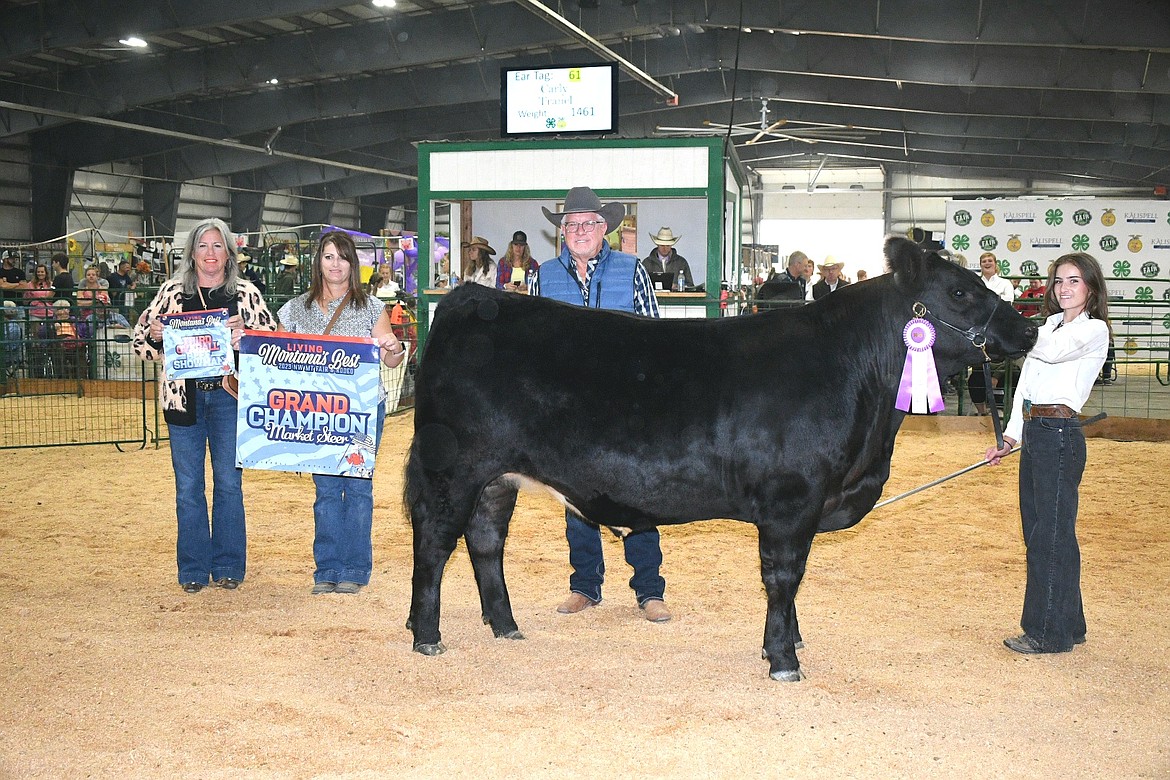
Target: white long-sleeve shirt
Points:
(1062, 367)
(1000, 286)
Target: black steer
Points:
(784, 419)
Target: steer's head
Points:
(965, 314)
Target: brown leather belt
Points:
(1047, 410)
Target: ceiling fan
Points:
(781, 130)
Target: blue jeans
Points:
(217, 549)
(1051, 464)
(643, 553)
(343, 515)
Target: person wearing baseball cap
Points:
(589, 273)
(517, 265)
(665, 259)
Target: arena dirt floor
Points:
(110, 670)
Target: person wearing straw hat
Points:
(830, 278)
(479, 267)
(589, 273)
(250, 273)
(286, 279)
(665, 259)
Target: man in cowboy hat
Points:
(665, 259)
(250, 273)
(830, 278)
(589, 273)
(286, 279)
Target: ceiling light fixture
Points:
(385, 3)
(274, 81)
(133, 41)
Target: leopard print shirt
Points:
(169, 300)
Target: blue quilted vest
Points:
(611, 286)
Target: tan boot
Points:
(576, 603)
(655, 611)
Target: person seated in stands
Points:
(790, 284)
(68, 346)
(11, 344)
(90, 295)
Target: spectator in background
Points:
(39, 294)
(478, 265)
(517, 266)
(830, 278)
(253, 275)
(63, 283)
(1031, 300)
(13, 344)
(286, 279)
(790, 284)
(121, 279)
(862, 275)
(665, 259)
(12, 281)
(91, 296)
(976, 384)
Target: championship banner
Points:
(308, 403)
(197, 345)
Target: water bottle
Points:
(682, 281)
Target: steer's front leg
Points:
(782, 561)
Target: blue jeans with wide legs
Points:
(218, 548)
(1051, 464)
(343, 515)
(643, 553)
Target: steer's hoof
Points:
(514, 635)
(786, 675)
(426, 648)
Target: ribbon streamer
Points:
(918, 390)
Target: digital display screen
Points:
(560, 100)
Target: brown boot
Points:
(576, 603)
(655, 611)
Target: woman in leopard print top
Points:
(200, 414)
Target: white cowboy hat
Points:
(289, 260)
(830, 262)
(582, 200)
(665, 237)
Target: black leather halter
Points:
(978, 338)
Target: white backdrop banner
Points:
(1129, 238)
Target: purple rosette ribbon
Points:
(918, 390)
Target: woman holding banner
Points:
(337, 304)
(200, 413)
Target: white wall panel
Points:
(565, 167)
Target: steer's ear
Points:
(906, 261)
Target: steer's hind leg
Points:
(486, 534)
(782, 562)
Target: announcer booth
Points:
(493, 189)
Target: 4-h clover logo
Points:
(113, 359)
(1004, 267)
(1121, 268)
(1166, 321)
(550, 123)
(1053, 216)
(1080, 242)
(961, 242)
(1144, 293)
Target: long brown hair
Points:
(525, 256)
(348, 252)
(1096, 302)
